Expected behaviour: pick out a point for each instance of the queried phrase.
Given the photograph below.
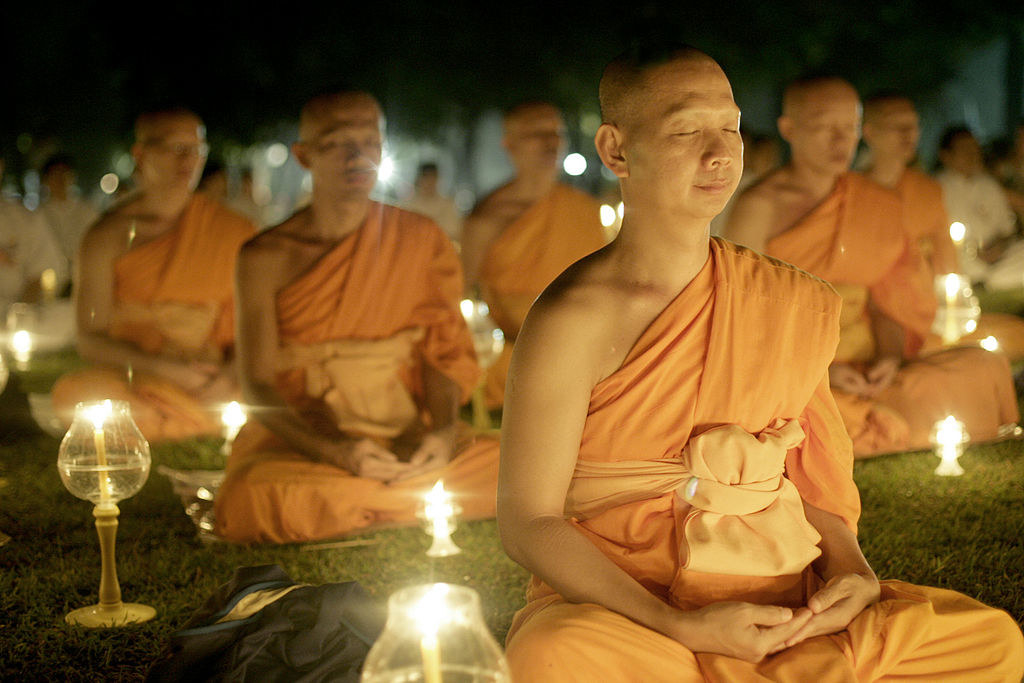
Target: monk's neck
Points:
(886, 172)
(811, 181)
(666, 253)
(333, 220)
(164, 208)
(531, 187)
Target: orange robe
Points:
(533, 250)
(853, 240)
(173, 296)
(741, 309)
(926, 222)
(375, 309)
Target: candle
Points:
(21, 347)
(957, 232)
(430, 612)
(949, 437)
(431, 658)
(99, 413)
(439, 511)
(233, 417)
(48, 285)
(990, 343)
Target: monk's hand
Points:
(836, 604)
(882, 373)
(744, 630)
(192, 377)
(848, 379)
(434, 451)
(367, 458)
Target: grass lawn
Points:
(961, 533)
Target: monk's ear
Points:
(608, 141)
(301, 153)
(785, 124)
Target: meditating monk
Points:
(843, 227)
(353, 354)
(674, 471)
(891, 132)
(154, 291)
(527, 231)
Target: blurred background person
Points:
(67, 213)
(427, 199)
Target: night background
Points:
(76, 74)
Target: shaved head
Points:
(524, 112)
(807, 93)
(878, 106)
(324, 112)
(627, 75)
(154, 125)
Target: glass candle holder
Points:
(104, 459)
(439, 515)
(958, 309)
(488, 339)
(435, 633)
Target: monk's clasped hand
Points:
(837, 604)
(746, 631)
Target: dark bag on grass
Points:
(263, 626)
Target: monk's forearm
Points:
(286, 423)
(103, 350)
(441, 396)
(889, 335)
(840, 551)
(564, 559)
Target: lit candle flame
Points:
(440, 511)
(957, 232)
(98, 413)
(233, 416)
(952, 285)
(990, 343)
(949, 438)
(21, 345)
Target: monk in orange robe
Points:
(522, 235)
(891, 132)
(846, 229)
(674, 471)
(353, 353)
(154, 292)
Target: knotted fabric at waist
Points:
(168, 328)
(746, 517)
(360, 380)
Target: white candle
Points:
(98, 415)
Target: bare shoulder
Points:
(270, 256)
(753, 215)
(498, 208)
(112, 231)
(586, 321)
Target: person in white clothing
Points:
(27, 250)
(992, 252)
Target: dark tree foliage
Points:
(78, 71)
